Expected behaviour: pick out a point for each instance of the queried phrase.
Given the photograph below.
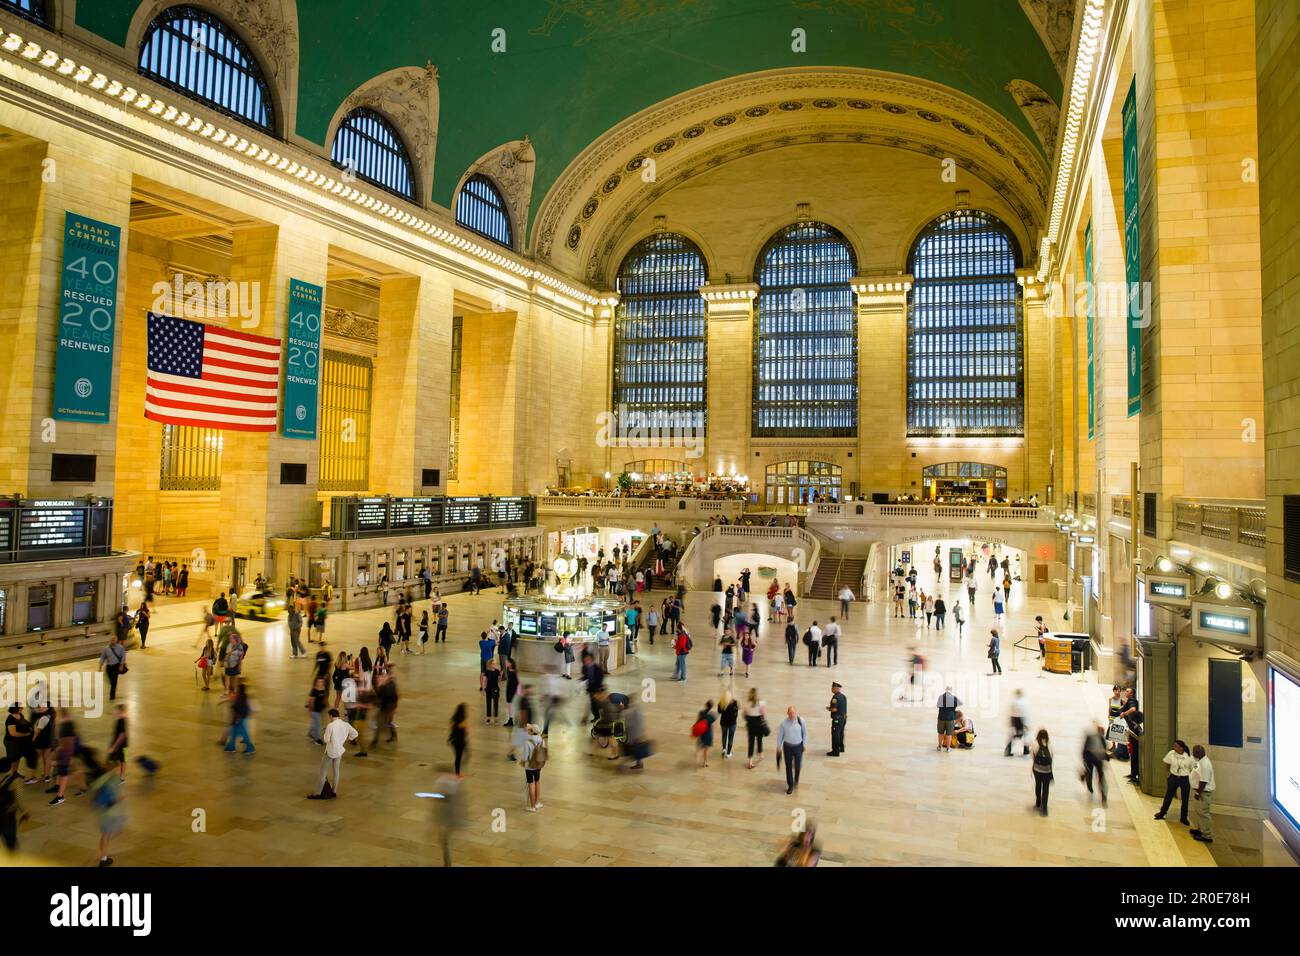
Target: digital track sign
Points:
(354, 517)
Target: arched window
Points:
(965, 332)
(793, 484)
(481, 207)
(659, 339)
(35, 10)
(192, 51)
(806, 335)
(370, 146)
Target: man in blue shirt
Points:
(486, 648)
(790, 740)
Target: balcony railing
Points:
(907, 511)
(1236, 522)
(669, 507)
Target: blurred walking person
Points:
(1042, 769)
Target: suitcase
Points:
(148, 764)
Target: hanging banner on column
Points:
(1089, 301)
(302, 361)
(1132, 251)
(83, 366)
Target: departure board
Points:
(33, 529)
(354, 517)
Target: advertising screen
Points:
(1284, 743)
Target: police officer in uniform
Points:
(839, 711)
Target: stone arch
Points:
(408, 98)
(511, 167)
(580, 221)
(269, 27)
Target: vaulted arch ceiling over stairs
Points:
(572, 70)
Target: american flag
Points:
(211, 377)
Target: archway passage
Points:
(793, 485)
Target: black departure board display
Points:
(353, 517)
(32, 529)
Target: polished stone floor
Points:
(890, 800)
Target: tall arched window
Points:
(35, 10)
(371, 147)
(806, 335)
(481, 207)
(965, 333)
(659, 337)
(192, 51)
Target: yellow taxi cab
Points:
(259, 604)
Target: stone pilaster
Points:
(730, 310)
(882, 384)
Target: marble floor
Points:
(890, 800)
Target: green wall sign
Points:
(83, 366)
(302, 361)
(1132, 251)
(1088, 307)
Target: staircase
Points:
(833, 573)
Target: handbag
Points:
(559, 647)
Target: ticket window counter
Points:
(399, 566)
(85, 597)
(40, 607)
(381, 566)
(321, 570)
(362, 578)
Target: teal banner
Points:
(83, 365)
(1089, 301)
(1132, 251)
(302, 361)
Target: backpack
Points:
(807, 638)
(8, 802)
(699, 728)
(105, 796)
(690, 645)
(537, 760)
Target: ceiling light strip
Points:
(1084, 60)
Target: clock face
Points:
(561, 566)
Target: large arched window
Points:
(481, 207)
(965, 334)
(192, 51)
(35, 10)
(659, 338)
(371, 147)
(805, 335)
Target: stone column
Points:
(1202, 366)
(42, 183)
(1037, 390)
(882, 456)
(254, 505)
(730, 310)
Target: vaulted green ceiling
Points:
(574, 68)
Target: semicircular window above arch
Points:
(805, 335)
(371, 147)
(660, 349)
(198, 54)
(481, 208)
(35, 10)
(965, 330)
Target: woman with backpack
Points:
(702, 731)
(1042, 771)
(534, 759)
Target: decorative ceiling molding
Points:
(270, 27)
(1042, 112)
(1054, 22)
(605, 188)
(408, 98)
(511, 166)
(351, 325)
